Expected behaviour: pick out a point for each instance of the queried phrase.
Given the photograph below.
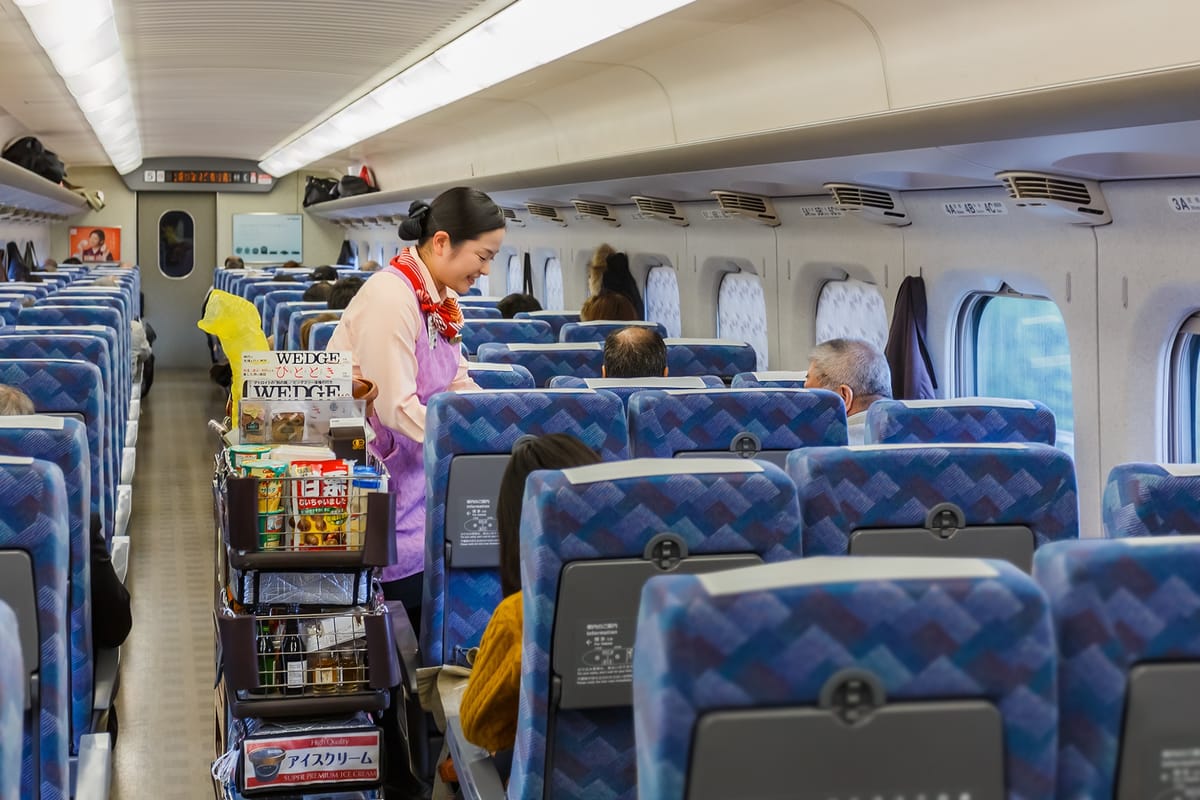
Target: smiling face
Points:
(94, 239)
(458, 266)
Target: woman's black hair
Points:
(617, 278)
(462, 212)
(98, 232)
(552, 451)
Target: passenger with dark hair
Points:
(513, 304)
(49, 265)
(617, 278)
(307, 325)
(318, 292)
(235, 262)
(72, 261)
(608, 306)
(283, 277)
(342, 292)
(403, 331)
(111, 615)
(489, 704)
(325, 273)
(635, 352)
(291, 265)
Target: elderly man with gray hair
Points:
(856, 371)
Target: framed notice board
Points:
(266, 238)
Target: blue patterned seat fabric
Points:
(63, 442)
(557, 319)
(297, 320)
(271, 303)
(109, 293)
(598, 331)
(256, 291)
(34, 499)
(1116, 604)
(9, 311)
(1152, 500)
(773, 636)
(70, 387)
(320, 334)
(967, 420)
(545, 361)
(12, 704)
(615, 385)
(590, 513)
(78, 316)
(709, 357)
(500, 376)
(845, 489)
(283, 318)
(458, 603)
(18, 342)
(663, 424)
(481, 312)
(476, 332)
(778, 379)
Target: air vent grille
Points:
(594, 210)
(748, 206)
(871, 203)
(1076, 200)
(510, 216)
(658, 208)
(545, 212)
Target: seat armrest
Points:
(93, 779)
(477, 775)
(106, 677)
(406, 645)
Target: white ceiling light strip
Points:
(80, 37)
(524, 36)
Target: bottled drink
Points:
(293, 659)
(324, 672)
(268, 661)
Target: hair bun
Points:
(413, 228)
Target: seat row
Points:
(69, 348)
(676, 645)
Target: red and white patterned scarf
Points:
(445, 317)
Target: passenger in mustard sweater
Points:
(489, 706)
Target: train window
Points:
(851, 309)
(1017, 347)
(514, 277)
(1183, 445)
(364, 254)
(484, 284)
(554, 285)
(742, 312)
(176, 235)
(379, 256)
(662, 299)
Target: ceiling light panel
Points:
(80, 38)
(524, 36)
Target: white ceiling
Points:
(231, 78)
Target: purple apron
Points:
(404, 458)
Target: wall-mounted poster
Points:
(95, 243)
(266, 238)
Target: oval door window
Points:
(176, 238)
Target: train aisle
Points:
(165, 706)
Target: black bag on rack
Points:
(352, 185)
(31, 154)
(319, 190)
(347, 254)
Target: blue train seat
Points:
(283, 319)
(745, 423)
(721, 357)
(983, 500)
(320, 334)
(481, 312)
(500, 376)
(557, 319)
(271, 306)
(777, 379)
(626, 388)
(1152, 500)
(297, 320)
(477, 332)
(599, 330)
(545, 361)
(967, 420)
(867, 678)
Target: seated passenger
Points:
(307, 325)
(318, 292)
(73, 261)
(49, 265)
(617, 278)
(111, 617)
(325, 273)
(513, 304)
(635, 352)
(371, 266)
(235, 262)
(855, 370)
(489, 704)
(608, 306)
(342, 292)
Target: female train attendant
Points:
(403, 331)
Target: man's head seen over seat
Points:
(635, 352)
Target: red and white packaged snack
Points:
(320, 504)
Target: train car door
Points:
(177, 251)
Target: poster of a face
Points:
(96, 244)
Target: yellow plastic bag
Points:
(236, 323)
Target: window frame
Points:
(678, 295)
(159, 249)
(847, 278)
(1183, 368)
(726, 275)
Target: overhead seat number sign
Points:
(989, 208)
(1184, 203)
